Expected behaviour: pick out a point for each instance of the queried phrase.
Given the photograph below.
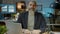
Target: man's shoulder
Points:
(38, 13)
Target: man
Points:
(31, 20)
(56, 6)
(20, 7)
(56, 20)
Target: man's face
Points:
(32, 5)
(19, 6)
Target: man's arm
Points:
(43, 24)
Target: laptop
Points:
(13, 28)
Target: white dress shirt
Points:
(31, 20)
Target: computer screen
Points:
(8, 8)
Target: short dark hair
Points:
(21, 2)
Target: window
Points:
(4, 8)
(11, 8)
(8, 8)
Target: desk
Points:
(56, 32)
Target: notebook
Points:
(13, 28)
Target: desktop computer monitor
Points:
(8, 8)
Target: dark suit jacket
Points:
(38, 24)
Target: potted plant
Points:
(3, 29)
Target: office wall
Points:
(45, 5)
(10, 1)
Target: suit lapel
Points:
(26, 16)
(35, 19)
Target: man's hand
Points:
(46, 33)
(26, 31)
(36, 32)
